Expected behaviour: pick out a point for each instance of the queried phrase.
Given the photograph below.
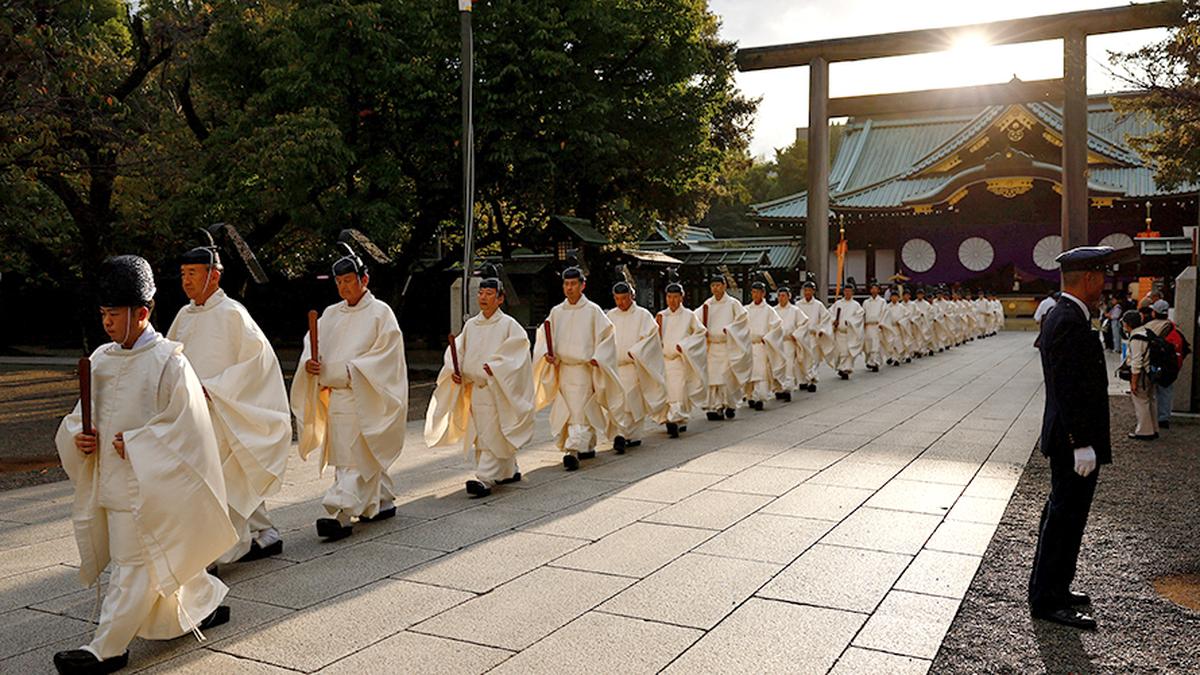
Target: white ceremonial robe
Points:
(767, 373)
(641, 369)
(729, 359)
(793, 326)
(983, 315)
(249, 408)
(355, 411)
(970, 324)
(585, 400)
(848, 336)
(491, 414)
(159, 516)
(998, 313)
(921, 310)
(912, 332)
(872, 316)
(819, 336)
(940, 325)
(685, 352)
(892, 332)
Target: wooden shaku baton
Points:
(85, 394)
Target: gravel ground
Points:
(1145, 523)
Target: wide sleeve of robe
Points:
(606, 384)
(449, 406)
(545, 374)
(310, 402)
(648, 357)
(91, 532)
(695, 354)
(179, 503)
(379, 378)
(821, 330)
(773, 341)
(741, 358)
(252, 404)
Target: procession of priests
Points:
(179, 440)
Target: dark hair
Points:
(1132, 319)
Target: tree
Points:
(1168, 72)
(620, 112)
(81, 161)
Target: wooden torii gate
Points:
(1072, 28)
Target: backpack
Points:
(1164, 362)
(1179, 341)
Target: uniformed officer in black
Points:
(1075, 434)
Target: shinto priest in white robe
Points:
(729, 359)
(685, 351)
(873, 309)
(769, 366)
(848, 336)
(491, 414)
(641, 369)
(585, 400)
(819, 336)
(354, 412)
(893, 332)
(249, 407)
(158, 517)
(793, 325)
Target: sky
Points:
(784, 92)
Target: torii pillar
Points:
(1075, 134)
(816, 244)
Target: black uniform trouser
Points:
(1060, 532)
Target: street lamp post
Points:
(468, 153)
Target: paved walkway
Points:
(838, 532)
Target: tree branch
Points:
(145, 62)
(184, 92)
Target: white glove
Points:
(1085, 461)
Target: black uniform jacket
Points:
(1076, 378)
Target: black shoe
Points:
(1067, 616)
(570, 462)
(1076, 599)
(632, 444)
(908, 360)
(682, 428)
(756, 405)
(779, 396)
(477, 489)
(332, 529)
(257, 552)
(787, 396)
(672, 430)
(1139, 437)
(1164, 425)
(619, 445)
(812, 388)
(873, 369)
(588, 454)
(516, 478)
(220, 616)
(713, 416)
(729, 413)
(384, 514)
(843, 374)
(84, 662)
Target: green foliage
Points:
(1169, 74)
(292, 119)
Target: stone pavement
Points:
(837, 533)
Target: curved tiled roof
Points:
(879, 160)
